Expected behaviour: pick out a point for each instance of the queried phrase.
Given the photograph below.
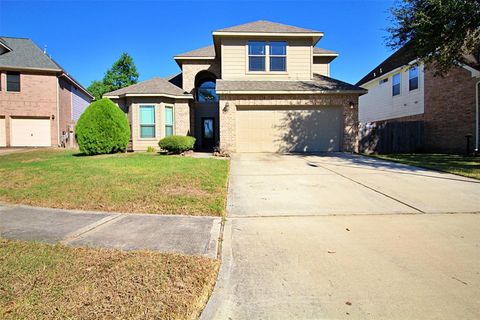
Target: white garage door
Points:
(30, 132)
(3, 135)
(279, 129)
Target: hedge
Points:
(102, 128)
(177, 144)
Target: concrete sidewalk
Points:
(178, 234)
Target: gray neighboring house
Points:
(38, 98)
(261, 87)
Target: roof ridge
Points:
(9, 37)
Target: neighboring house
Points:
(261, 87)
(447, 107)
(38, 99)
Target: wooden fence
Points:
(392, 137)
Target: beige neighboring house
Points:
(38, 99)
(261, 87)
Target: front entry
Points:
(208, 133)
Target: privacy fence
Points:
(392, 137)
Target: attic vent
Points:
(381, 70)
(374, 74)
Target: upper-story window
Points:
(278, 55)
(13, 81)
(396, 84)
(382, 81)
(413, 78)
(206, 92)
(256, 55)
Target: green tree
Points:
(123, 73)
(446, 32)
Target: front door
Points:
(208, 133)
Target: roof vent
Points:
(381, 70)
(45, 49)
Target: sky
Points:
(86, 37)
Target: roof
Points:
(401, 57)
(319, 84)
(25, 54)
(207, 52)
(264, 26)
(321, 51)
(153, 87)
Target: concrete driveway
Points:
(347, 237)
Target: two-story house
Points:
(38, 99)
(261, 87)
(447, 106)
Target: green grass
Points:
(135, 182)
(40, 281)
(460, 165)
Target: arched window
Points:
(206, 92)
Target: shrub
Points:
(177, 144)
(150, 149)
(102, 128)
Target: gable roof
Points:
(25, 54)
(152, 87)
(401, 57)
(319, 84)
(205, 52)
(264, 26)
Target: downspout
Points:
(476, 119)
(58, 111)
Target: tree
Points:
(123, 73)
(446, 32)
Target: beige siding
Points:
(321, 66)
(235, 60)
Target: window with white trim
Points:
(413, 78)
(256, 55)
(278, 55)
(396, 84)
(147, 121)
(168, 121)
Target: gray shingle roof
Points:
(208, 51)
(323, 51)
(152, 86)
(25, 54)
(266, 27)
(320, 84)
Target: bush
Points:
(177, 144)
(102, 128)
(150, 149)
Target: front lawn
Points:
(135, 182)
(463, 166)
(40, 281)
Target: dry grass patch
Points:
(40, 281)
(138, 182)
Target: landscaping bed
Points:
(134, 182)
(456, 164)
(41, 281)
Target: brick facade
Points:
(450, 110)
(37, 98)
(228, 114)
(190, 69)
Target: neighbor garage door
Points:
(289, 129)
(29, 132)
(3, 133)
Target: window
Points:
(278, 55)
(13, 81)
(396, 84)
(256, 55)
(383, 81)
(168, 121)
(147, 121)
(413, 78)
(206, 92)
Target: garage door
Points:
(3, 135)
(282, 129)
(30, 132)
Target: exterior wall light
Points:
(53, 117)
(351, 105)
(227, 107)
